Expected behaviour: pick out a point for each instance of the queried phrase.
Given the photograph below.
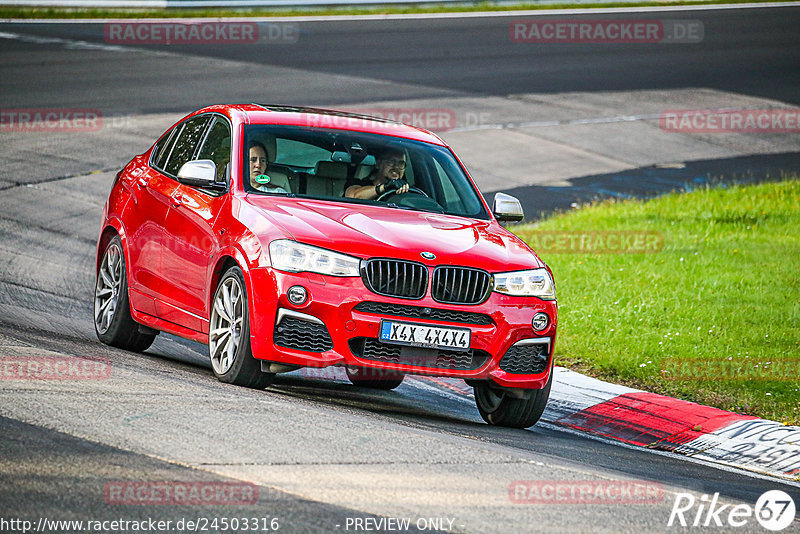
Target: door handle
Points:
(177, 202)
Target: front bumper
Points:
(339, 325)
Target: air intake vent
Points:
(372, 349)
(460, 285)
(423, 313)
(396, 278)
(522, 359)
(294, 333)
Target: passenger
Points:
(386, 176)
(258, 166)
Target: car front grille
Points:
(524, 359)
(372, 349)
(297, 334)
(423, 313)
(460, 285)
(396, 278)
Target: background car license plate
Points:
(420, 335)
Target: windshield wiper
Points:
(398, 206)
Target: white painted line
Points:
(71, 44)
(428, 16)
(757, 444)
(35, 39)
(573, 392)
(755, 447)
(700, 461)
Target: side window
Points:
(187, 142)
(217, 147)
(299, 154)
(164, 147)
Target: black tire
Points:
(499, 407)
(229, 335)
(112, 311)
(374, 378)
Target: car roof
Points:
(325, 118)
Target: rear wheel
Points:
(112, 312)
(374, 378)
(229, 335)
(503, 407)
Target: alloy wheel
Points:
(107, 289)
(227, 316)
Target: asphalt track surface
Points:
(749, 51)
(320, 450)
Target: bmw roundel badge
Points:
(428, 255)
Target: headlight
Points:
(533, 283)
(288, 255)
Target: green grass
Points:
(701, 319)
(91, 13)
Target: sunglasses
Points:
(395, 162)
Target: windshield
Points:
(357, 167)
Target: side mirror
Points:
(199, 173)
(507, 208)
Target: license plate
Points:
(420, 335)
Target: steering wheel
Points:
(411, 189)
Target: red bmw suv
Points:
(289, 237)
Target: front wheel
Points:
(499, 406)
(374, 378)
(112, 310)
(229, 335)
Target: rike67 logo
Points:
(774, 510)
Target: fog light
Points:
(297, 295)
(540, 321)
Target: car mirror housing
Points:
(199, 173)
(341, 156)
(507, 208)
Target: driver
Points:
(386, 176)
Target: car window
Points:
(299, 154)
(217, 147)
(163, 148)
(186, 143)
(325, 163)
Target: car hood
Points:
(376, 231)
